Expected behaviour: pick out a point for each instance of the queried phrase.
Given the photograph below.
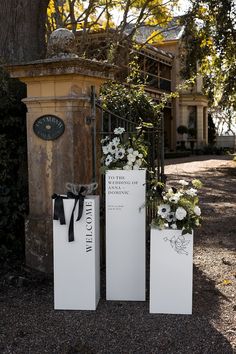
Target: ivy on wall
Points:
(13, 164)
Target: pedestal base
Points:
(171, 270)
(77, 263)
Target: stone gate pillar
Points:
(56, 88)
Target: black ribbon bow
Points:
(59, 213)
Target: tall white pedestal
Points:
(125, 235)
(77, 263)
(171, 272)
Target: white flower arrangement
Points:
(118, 154)
(176, 208)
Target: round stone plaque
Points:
(49, 127)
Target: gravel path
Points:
(28, 323)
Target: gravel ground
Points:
(29, 324)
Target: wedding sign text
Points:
(125, 234)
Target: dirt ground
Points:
(29, 324)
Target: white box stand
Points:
(171, 272)
(77, 263)
(125, 235)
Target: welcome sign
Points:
(77, 263)
(125, 234)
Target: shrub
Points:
(182, 129)
(13, 165)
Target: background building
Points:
(160, 65)
(190, 109)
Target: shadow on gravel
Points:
(30, 325)
(196, 158)
(206, 297)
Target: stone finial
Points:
(61, 44)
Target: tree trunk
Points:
(22, 30)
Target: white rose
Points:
(131, 157)
(130, 151)
(135, 153)
(180, 213)
(136, 167)
(140, 156)
(197, 210)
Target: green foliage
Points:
(182, 129)
(210, 39)
(192, 132)
(102, 15)
(130, 102)
(176, 208)
(13, 166)
(197, 183)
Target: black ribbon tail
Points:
(59, 213)
(71, 236)
(81, 207)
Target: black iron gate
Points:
(108, 121)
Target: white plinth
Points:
(171, 271)
(125, 235)
(77, 263)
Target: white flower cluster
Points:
(134, 160)
(118, 155)
(179, 208)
